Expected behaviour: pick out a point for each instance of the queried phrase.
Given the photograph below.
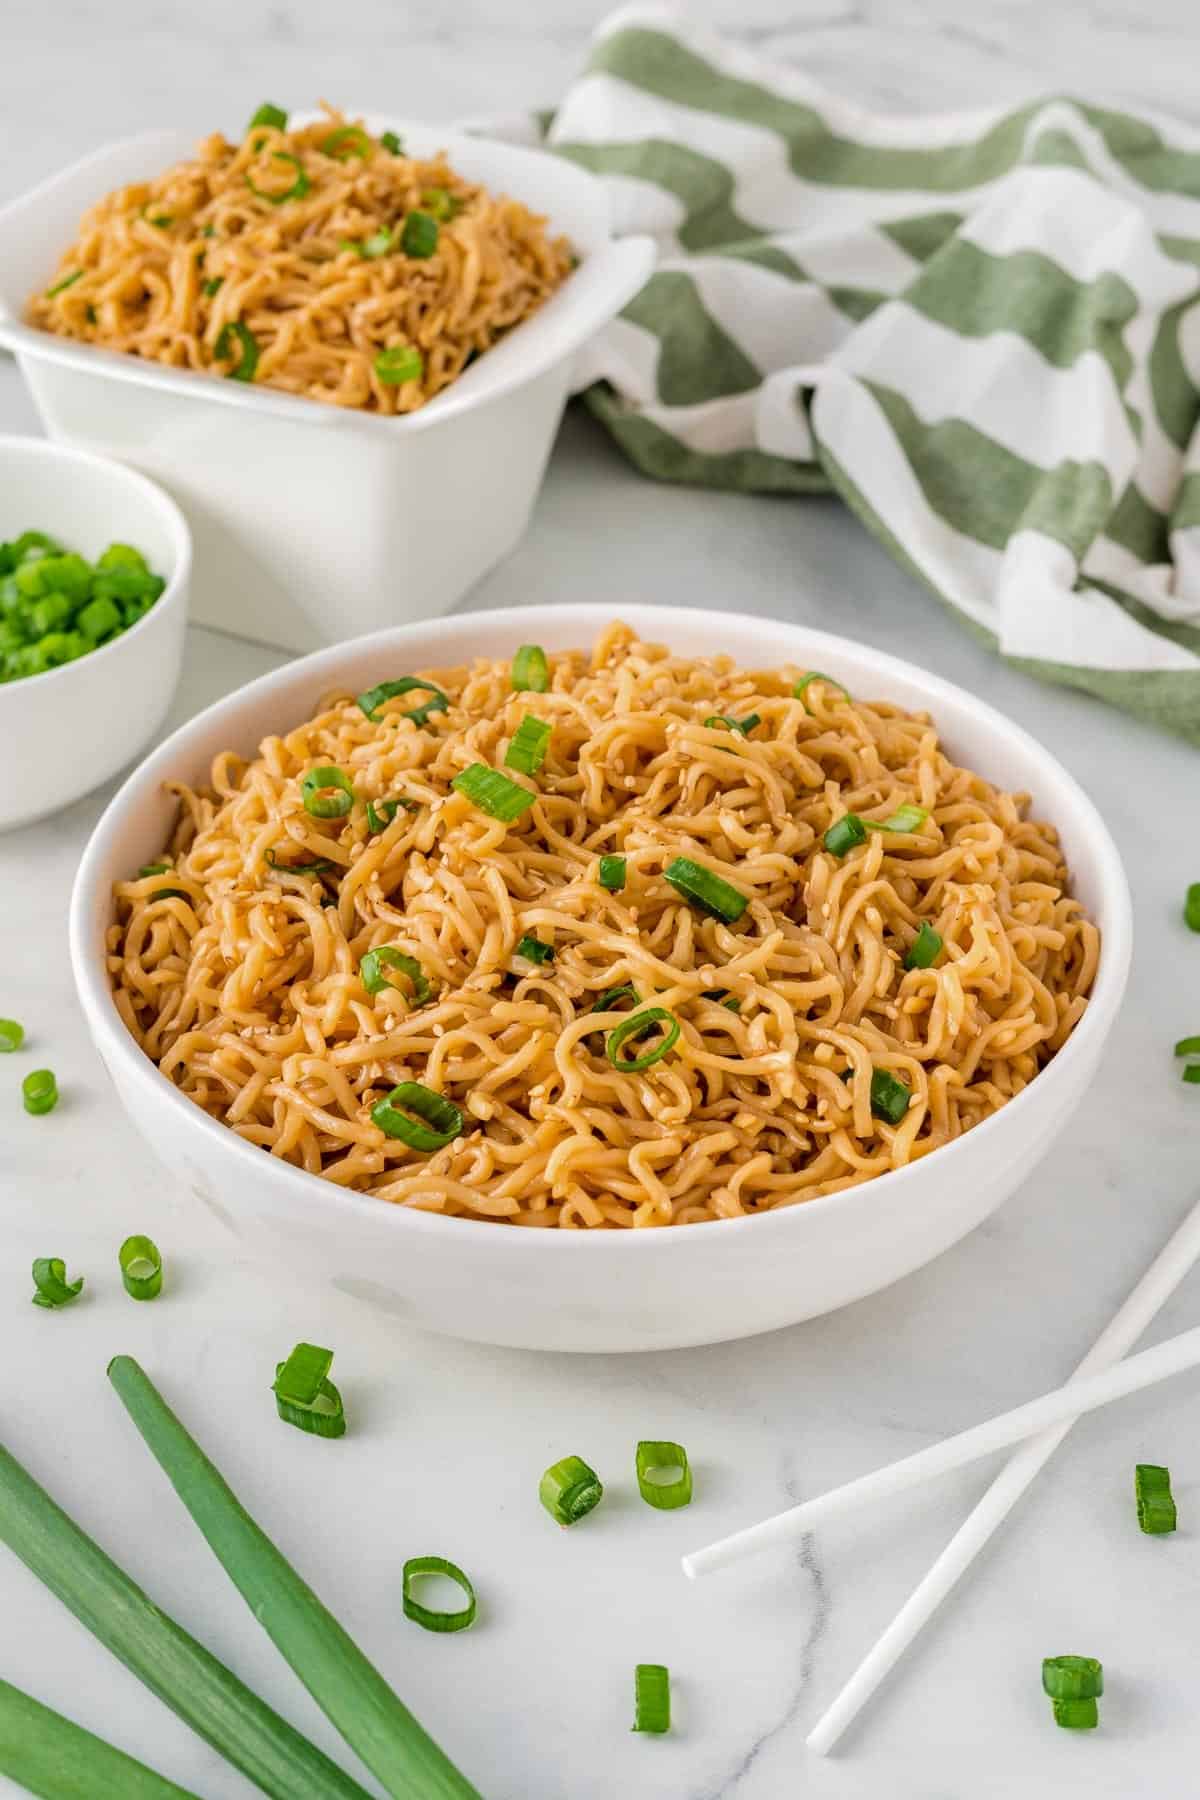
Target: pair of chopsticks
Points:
(1101, 1376)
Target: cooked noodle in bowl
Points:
(736, 940)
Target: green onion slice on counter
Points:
(705, 890)
(889, 1096)
(318, 867)
(347, 140)
(419, 235)
(493, 793)
(326, 793)
(247, 363)
(1155, 1502)
(39, 1091)
(50, 1281)
(530, 670)
(612, 873)
(925, 948)
(374, 980)
(298, 189)
(66, 282)
(527, 752)
(569, 1489)
(1072, 1677)
(1191, 907)
(429, 1616)
(652, 1698)
(723, 722)
(844, 834)
(12, 1035)
(816, 675)
(905, 818)
(608, 999)
(633, 1026)
(380, 816)
(304, 1395)
(141, 1268)
(656, 1459)
(533, 949)
(418, 1117)
(267, 114)
(373, 699)
(398, 364)
(392, 144)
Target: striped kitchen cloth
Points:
(981, 329)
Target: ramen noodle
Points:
(848, 950)
(320, 260)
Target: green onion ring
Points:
(667, 1496)
(326, 793)
(141, 1268)
(247, 363)
(429, 1616)
(352, 137)
(569, 1490)
(816, 675)
(706, 890)
(533, 949)
(493, 793)
(844, 835)
(373, 699)
(530, 670)
(317, 867)
(612, 873)
(370, 970)
(527, 751)
(269, 115)
(925, 948)
(298, 188)
(12, 1035)
(652, 1698)
(397, 364)
(437, 1123)
(632, 1026)
(39, 1091)
(50, 1280)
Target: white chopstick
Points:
(1172, 1358)
(1160, 1281)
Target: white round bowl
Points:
(69, 730)
(577, 1290)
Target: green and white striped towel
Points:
(981, 329)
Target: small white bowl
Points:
(613, 1290)
(69, 730)
(315, 522)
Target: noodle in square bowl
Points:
(344, 346)
(579, 983)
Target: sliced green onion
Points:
(274, 116)
(347, 140)
(298, 189)
(889, 1096)
(1072, 1677)
(706, 890)
(723, 722)
(816, 675)
(247, 363)
(1191, 907)
(326, 793)
(428, 1616)
(373, 699)
(656, 1457)
(633, 1026)
(392, 144)
(905, 818)
(398, 364)
(141, 1268)
(213, 287)
(731, 1004)
(181, 1672)
(12, 1035)
(1155, 1503)
(377, 245)
(652, 1698)
(317, 867)
(50, 1280)
(530, 670)
(49, 1754)
(348, 1688)
(569, 1489)
(419, 235)
(304, 1395)
(844, 834)
(374, 980)
(441, 204)
(162, 221)
(608, 999)
(1189, 1046)
(527, 752)
(437, 1121)
(493, 793)
(39, 1091)
(612, 873)
(534, 950)
(925, 948)
(379, 818)
(66, 282)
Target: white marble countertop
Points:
(448, 1440)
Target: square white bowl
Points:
(313, 523)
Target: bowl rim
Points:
(156, 498)
(600, 268)
(653, 623)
